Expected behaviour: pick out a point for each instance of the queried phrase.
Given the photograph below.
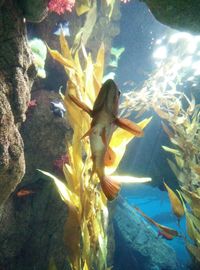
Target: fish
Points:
(113, 63)
(166, 232)
(24, 192)
(57, 108)
(116, 52)
(165, 235)
(64, 27)
(32, 104)
(104, 119)
(165, 217)
(59, 162)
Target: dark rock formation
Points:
(181, 15)
(45, 135)
(137, 245)
(33, 10)
(31, 229)
(16, 77)
(31, 234)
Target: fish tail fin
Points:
(110, 187)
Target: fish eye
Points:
(119, 92)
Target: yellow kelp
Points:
(82, 6)
(119, 141)
(86, 241)
(181, 122)
(193, 223)
(176, 204)
(84, 232)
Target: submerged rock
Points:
(137, 245)
(31, 229)
(34, 10)
(44, 135)
(179, 14)
(31, 234)
(16, 77)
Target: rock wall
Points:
(137, 245)
(179, 14)
(16, 77)
(31, 230)
(45, 135)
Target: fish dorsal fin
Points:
(80, 104)
(129, 126)
(109, 157)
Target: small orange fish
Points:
(24, 192)
(104, 119)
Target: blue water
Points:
(155, 204)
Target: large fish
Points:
(104, 118)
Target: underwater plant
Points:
(176, 204)
(61, 6)
(39, 51)
(181, 122)
(85, 231)
(81, 7)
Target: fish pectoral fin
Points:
(87, 133)
(80, 104)
(110, 188)
(129, 126)
(110, 157)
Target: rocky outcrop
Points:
(45, 135)
(181, 15)
(137, 245)
(31, 229)
(31, 234)
(16, 77)
(34, 10)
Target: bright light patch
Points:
(192, 46)
(174, 38)
(187, 61)
(177, 57)
(197, 72)
(158, 41)
(190, 79)
(196, 65)
(160, 53)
